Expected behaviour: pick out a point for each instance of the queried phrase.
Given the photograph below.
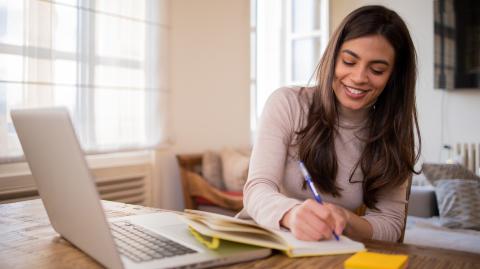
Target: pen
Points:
(309, 181)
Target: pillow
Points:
(212, 169)
(235, 168)
(437, 171)
(458, 203)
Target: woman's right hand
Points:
(311, 221)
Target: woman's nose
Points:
(359, 75)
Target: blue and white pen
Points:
(309, 181)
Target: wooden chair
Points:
(197, 190)
(361, 211)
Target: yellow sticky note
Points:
(372, 260)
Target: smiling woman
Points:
(354, 130)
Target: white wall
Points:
(210, 79)
(461, 108)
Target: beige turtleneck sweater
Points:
(274, 179)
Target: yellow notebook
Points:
(371, 260)
(215, 226)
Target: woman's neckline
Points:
(348, 118)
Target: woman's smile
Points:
(355, 93)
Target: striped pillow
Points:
(437, 171)
(458, 203)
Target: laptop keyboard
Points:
(141, 245)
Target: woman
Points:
(354, 131)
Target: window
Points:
(290, 38)
(306, 38)
(104, 60)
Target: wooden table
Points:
(28, 241)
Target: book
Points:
(216, 226)
(372, 260)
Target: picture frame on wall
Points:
(457, 44)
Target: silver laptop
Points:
(67, 189)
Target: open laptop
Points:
(70, 197)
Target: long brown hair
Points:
(389, 156)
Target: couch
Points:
(428, 226)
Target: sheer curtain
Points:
(104, 60)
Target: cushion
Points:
(437, 171)
(458, 203)
(234, 168)
(212, 169)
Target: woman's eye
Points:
(377, 72)
(348, 63)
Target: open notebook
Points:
(205, 226)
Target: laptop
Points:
(70, 197)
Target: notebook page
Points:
(308, 248)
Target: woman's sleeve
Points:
(389, 220)
(262, 198)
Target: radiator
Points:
(469, 155)
(127, 184)
(128, 190)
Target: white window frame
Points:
(291, 37)
(273, 61)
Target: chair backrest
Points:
(189, 163)
(409, 187)
(196, 187)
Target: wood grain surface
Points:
(28, 241)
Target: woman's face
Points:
(363, 67)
